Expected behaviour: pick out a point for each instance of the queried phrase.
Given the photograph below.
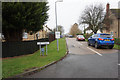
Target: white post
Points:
(56, 24)
(56, 21)
(40, 49)
(46, 49)
(40, 44)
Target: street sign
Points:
(57, 35)
(42, 43)
(42, 49)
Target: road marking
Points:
(95, 51)
(80, 43)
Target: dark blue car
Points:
(101, 39)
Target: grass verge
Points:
(86, 40)
(14, 66)
(116, 46)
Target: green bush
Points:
(87, 35)
(117, 41)
(116, 46)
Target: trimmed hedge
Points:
(10, 49)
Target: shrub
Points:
(117, 41)
(87, 35)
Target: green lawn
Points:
(116, 46)
(18, 65)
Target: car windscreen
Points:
(105, 35)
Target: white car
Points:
(80, 38)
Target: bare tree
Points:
(75, 30)
(60, 28)
(93, 16)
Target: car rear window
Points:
(105, 35)
(81, 36)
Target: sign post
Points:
(57, 36)
(42, 43)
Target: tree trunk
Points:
(13, 35)
(95, 32)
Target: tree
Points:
(93, 16)
(75, 30)
(60, 28)
(22, 16)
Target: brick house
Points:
(40, 34)
(112, 21)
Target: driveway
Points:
(83, 62)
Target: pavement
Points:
(83, 62)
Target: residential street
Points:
(83, 62)
(60, 39)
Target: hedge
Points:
(10, 49)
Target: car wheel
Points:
(110, 47)
(96, 45)
(88, 43)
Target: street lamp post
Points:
(118, 26)
(56, 21)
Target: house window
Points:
(111, 33)
(38, 34)
(2, 36)
(25, 36)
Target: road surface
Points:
(83, 62)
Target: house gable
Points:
(111, 21)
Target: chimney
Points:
(107, 16)
(107, 8)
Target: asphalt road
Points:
(81, 47)
(83, 62)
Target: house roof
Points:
(48, 28)
(116, 12)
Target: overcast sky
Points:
(69, 11)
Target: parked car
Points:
(61, 36)
(101, 39)
(70, 36)
(80, 38)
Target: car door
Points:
(94, 39)
(90, 39)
